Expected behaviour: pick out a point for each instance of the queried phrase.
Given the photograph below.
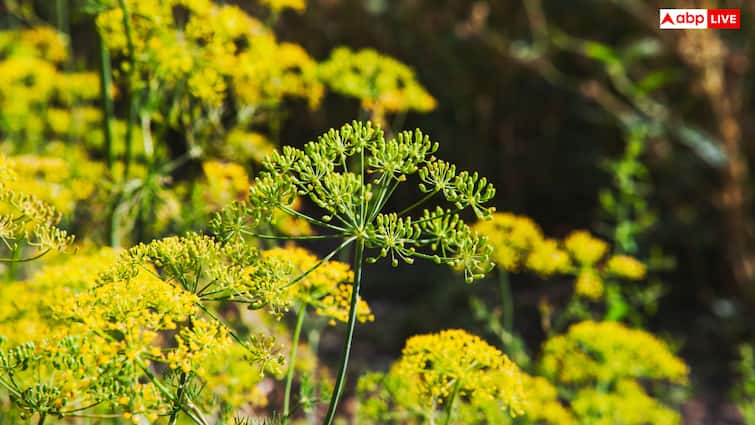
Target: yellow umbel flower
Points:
(42, 42)
(226, 182)
(512, 237)
(585, 248)
(454, 361)
(26, 220)
(27, 318)
(220, 70)
(607, 352)
(55, 180)
(626, 267)
(547, 258)
(452, 366)
(382, 83)
(33, 83)
(543, 403)
(327, 288)
(247, 145)
(542, 407)
(233, 381)
(589, 285)
(628, 404)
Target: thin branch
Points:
(312, 220)
(292, 238)
(322, 260)
(24, 260)
(418, 203)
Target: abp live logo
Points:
(699, 18)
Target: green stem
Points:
(314, 221)
(418, 203)
(13, 260)
(179, 396)
(313, 340)
(107, 102)
(291, 360)
(190, 410)
(322, 260)
(570, 311)
(16, 259)
(507, 300)
(291, 238)
(114, 234)
(130, 92)
(341, 379)
(62, 24)
(181, 387)
(42, 417)
(450, 405)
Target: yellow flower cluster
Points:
(628, 404)
(24, 218)
(547, 258)
(244, 145)
(454, 361)
(85, 360)
(543, 403)
(584, 248)
(485, 386)
(381, 83)
(513, 236)
(233, 380)
(198, 342)
(608, 352)
(208, 269)
(626, 267)
(36, 97)
(62, 181)
(520, 244)
(602, 364)
(28, 317)
(136, 309)
(327, 288)
(212, 48)
(73, 370)
(43, 42)
(98, 323)
(542, 407)
(226, 182)
(589, 284)
(587, 251)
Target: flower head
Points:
(453, 360)
(352, 197)
(608, 352)
(626, 267)
(383, 84)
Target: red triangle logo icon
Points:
(667, 19)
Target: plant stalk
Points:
(130, 90)
(107, 103)
(292, 360)
(341, 379)
(179, 396)
(450, 405)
